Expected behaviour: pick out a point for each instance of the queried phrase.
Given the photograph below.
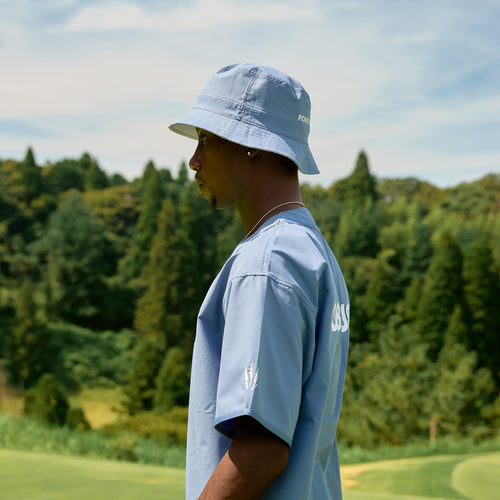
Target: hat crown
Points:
(262, 95)
(258, 107)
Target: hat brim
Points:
(248, 135)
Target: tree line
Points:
(101, 280)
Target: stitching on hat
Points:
(245, 105)
(248, 89)
(235, 120)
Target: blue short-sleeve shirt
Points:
(271, 342)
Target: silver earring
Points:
(249, 153)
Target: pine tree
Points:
(27, 345)
(359, 186)
(442, 290)
(65, 175)
(358, 230)
(95, 178)
(200, 223)
(459, 390)
(133, 264)
(386, 386)
(31, 176)
(411, 300)
(140, 390)
(163, 310)
(481, 290)
(380, 298)
(182, 177)
(418, 245)
(172, 387)
(79, 255)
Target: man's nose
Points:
(195, 161)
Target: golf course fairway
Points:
(41, 476)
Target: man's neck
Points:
(261, 207)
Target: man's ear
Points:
(252, 153)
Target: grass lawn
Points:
(439, 477)
(39, 476)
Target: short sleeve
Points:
(262, 355)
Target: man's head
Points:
(257, 107)
(227, 172)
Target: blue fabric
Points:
(271, 342)
(255, 106)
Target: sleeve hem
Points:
(225, 424)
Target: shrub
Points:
(29, 434)
(166, 428)
(75, 419)
(172, 387)
(47, 401)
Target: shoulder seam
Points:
(301, 296)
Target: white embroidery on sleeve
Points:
(251, 374)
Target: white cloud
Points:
(204, 15)
(377, 82)
(415, 38)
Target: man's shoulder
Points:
(288, 246)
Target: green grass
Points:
(478, 477)
(40, 476)
(30, 435)
(26, 475)
(440, 477)
(448, 445)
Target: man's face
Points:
(216, 162)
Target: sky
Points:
(414, 84)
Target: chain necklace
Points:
(267, 213)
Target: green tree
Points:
(95, 177)
(386, 385)
(357, 272)
(140, 390)
(381, 297)
(47, 401)
(359, 186)
(161, 310)
(418, 245)
(117, 180)
(441, 291)
(27, 345)
(411, 300)
(65, 175)
(133, 264)
(79, 255)
(200, 223)
(172, 387)
(358, 230)
(481, 290)
(31, 176)
(182, 177)
(459, 390)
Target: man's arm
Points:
(254, 460)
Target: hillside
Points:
(101, 280)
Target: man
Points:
(272, 334)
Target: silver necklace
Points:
(267, 213)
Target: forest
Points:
(101, 280)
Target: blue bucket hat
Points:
(255, 106)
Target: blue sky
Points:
(415, 84)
